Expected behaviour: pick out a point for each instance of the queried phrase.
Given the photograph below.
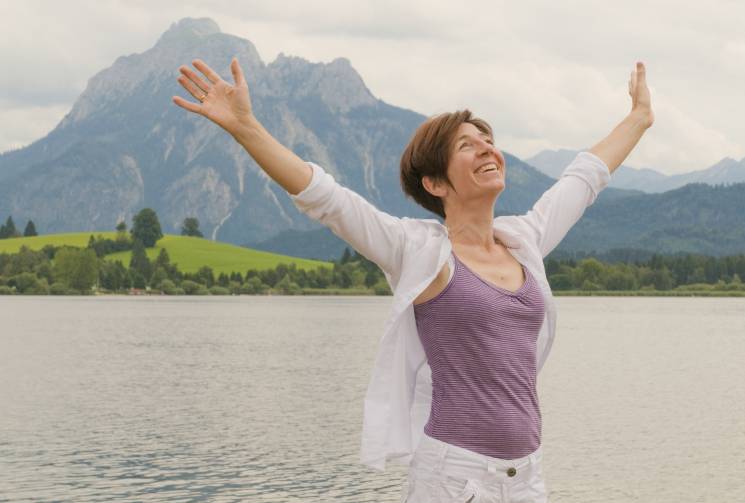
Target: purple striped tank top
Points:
(480, 341)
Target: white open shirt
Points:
(411, 252)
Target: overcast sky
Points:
(545, 74)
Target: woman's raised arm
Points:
(564, 203)
(375, 234)
(229, 106)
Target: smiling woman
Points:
(453, 391)
(425, 161)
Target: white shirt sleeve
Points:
(375, 234)
(564, 203)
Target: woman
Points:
(470, 296)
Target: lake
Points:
(260, 399)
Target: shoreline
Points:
(367, 293)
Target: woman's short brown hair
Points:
(428, 154)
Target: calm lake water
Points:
(260, 399)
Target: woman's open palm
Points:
(639, 92)
(226, 105)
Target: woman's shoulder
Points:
(512, 224)
(422, 231)
(422, 223)
(514, 230)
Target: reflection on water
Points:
(260, 399)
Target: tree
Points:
(620, 280)
(344, 278)
(159, 274)
(190, 287)
(662, 279)
(560, 281)
(163, 259)
(190, 227)
(346, 256)
(137, 280)
(112, 275)
(27, 283)
(205, 275)
(26, 260)
(287, 287)
(139, 261)
(77, 268)
(223, 280)
(146, 227)
(30, 229)
(9, 229)
(592, 270)
(254, 286)
(122, 239)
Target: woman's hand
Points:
(641, 102)
(228, 106)
(615, 147)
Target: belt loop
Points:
(441, 456)
(534, 457)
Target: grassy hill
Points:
(189, 253)
(38, 242)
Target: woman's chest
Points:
(500, 269)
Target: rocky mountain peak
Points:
(337, 83)
(189, 29)
(725, 163)
(156, 68)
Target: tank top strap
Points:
(451, 266)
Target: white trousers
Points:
(440, 472)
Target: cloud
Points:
(678, 141)
(27, 122)
(545, 74)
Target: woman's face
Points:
(476, 168)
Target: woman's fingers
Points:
(235, 68)
(193, 90)
(641, 72)
(194, 78)
(192, 107)
(206, 70)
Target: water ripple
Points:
(260, 399)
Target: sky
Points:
(544, 74)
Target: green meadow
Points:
(189, 253)
(79, 239)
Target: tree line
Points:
(660, 272)
(146, 227)
(70, 270)
(65, 270)
(8, 229)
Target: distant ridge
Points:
(725, 172)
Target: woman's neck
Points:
(471, 231)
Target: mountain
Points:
(726, 171)
(696, 218)
(124, 145)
